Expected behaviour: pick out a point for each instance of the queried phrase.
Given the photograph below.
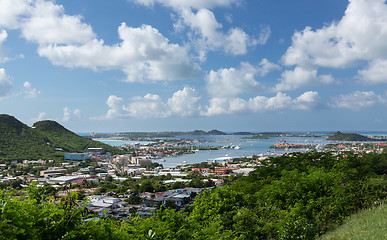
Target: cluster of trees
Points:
(291, 197)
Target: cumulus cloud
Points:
(69, 115)
(144, 54)
(48, 24)
(185, 103)
(375, 73)
(299, 77)
(13, 11)
(6, 83)
(116, 107)
(232, 82)
(208, 36)
(359, 100)
(361, 35)
(259, 104)
(29, 91)
(206, 32)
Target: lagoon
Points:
(247, 147)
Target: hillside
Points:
(62, 138)
(19, 141)
(339, 136)
(367, 224)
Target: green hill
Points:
(43, 141)
(18, 141)
(339, 136)
(62, 138)
(367, 224)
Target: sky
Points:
(181, 65)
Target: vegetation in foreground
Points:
(369, 224)
(300, 196)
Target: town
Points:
(121, 185)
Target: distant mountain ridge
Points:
(45, 140)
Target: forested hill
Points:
(43, 141)
(18, 141)
(339, 136)
(62, 138)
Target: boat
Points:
(162, 160)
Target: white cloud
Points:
(195, 4)
(207, 34)
(361, 35)
(359, 100)
(259, 104)
(29, 91)
(149, 106)
(6, 83)
(265, 66)
(12, 12)
(307, 101)
(3, 37)
(232, 82)
(300, 77)
(264, 35)
(183, 103)
(144, 54)
(44, 22)
(42, 116)
(69, 115)
(375, 73)
(116, 107)
(49, 25)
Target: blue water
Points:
(118, 143)
(247, 147)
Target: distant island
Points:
(138, 135)
(267, 135)
(339, 136)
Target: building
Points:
(76, 156)
(68, 179)
(96, 150)
(220, 160)
(54, 171)
(123, 159)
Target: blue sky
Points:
(160, 65)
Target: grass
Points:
(369, 224)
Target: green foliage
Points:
(300, 196)
(60, 137)
(32, 218)
(42, 141)
(368, 224)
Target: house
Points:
(68, 179)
